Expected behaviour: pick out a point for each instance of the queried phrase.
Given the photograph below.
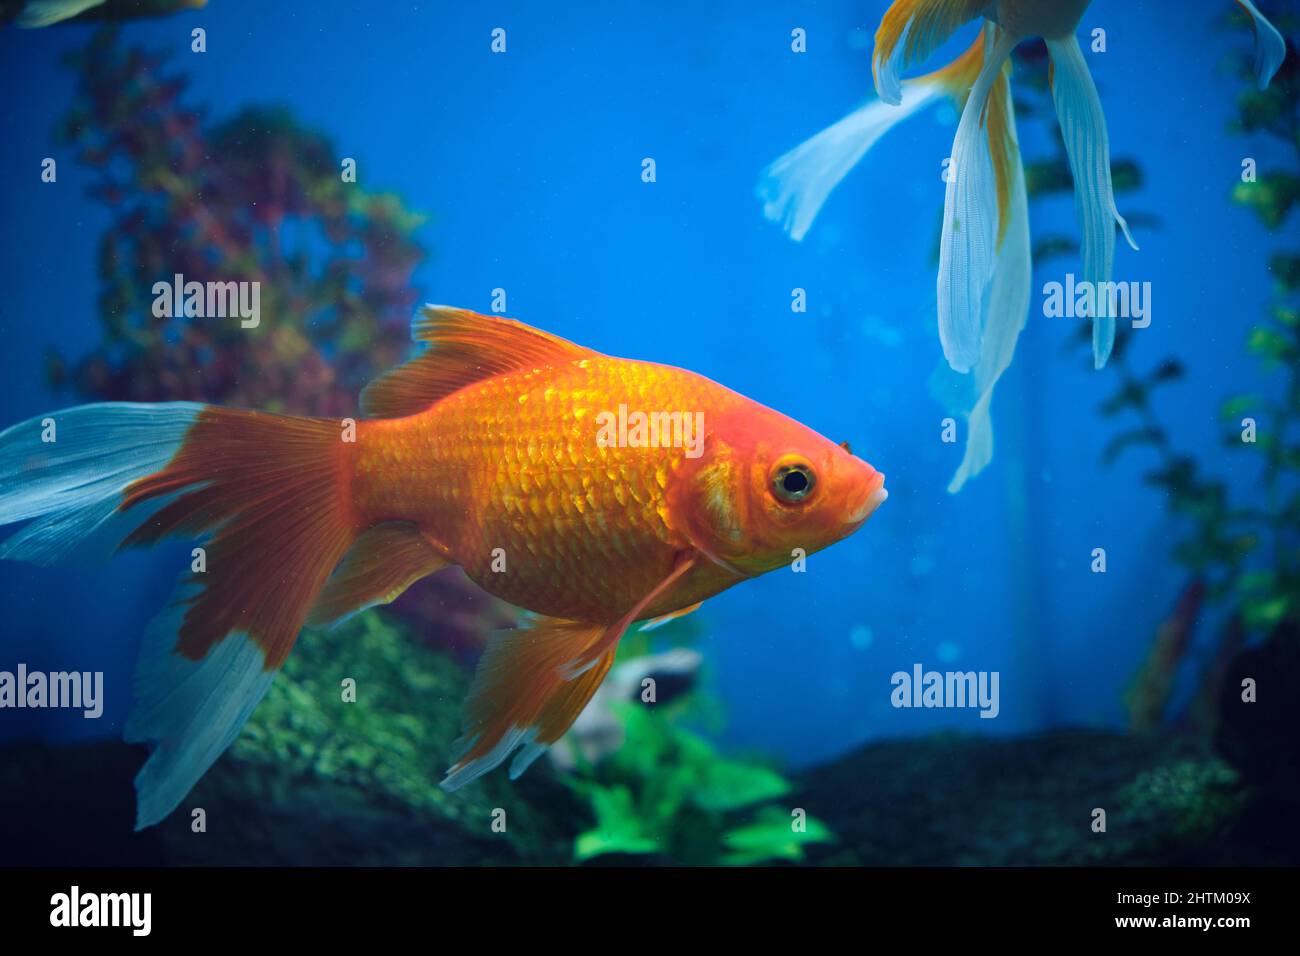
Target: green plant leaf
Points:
(731, 785)
(618, 828)
(1264, 613)
(771, 836)
(1286, 269)
(1271, 196)
(1240, 405)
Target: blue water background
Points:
(529, 164)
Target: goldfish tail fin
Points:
(971, 216)
(1270, 48)
(794, 187)
(263, 495)
(909, 32)
(65, 474)
(1087, 143)
(44, 13)
(523, 696)
(1008, 305)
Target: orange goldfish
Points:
(489, 450)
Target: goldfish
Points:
(985, 267)
(481, 451)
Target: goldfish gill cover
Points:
(781, 435)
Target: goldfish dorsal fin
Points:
(463, 347)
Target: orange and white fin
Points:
(589, 657)
(263, 495)
(385, 561)
(657, 622)
(533, 682)
(1270, 48)
(972, 218)
(1008, 302)
(462, 347)
(909, 32)
(519, 697)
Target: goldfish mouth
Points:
(876, 496)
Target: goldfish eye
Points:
(792, 482)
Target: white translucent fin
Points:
(72, 486)
(889, 85)
(191, 711)
(794, 187)
(44, 13)
(1270, 48)
(1008, 309)
(524, 759)
(471, 771)
(1083, 126)
(967, 245)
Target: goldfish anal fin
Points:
(463, 347)
(657, 622)
(385, 561)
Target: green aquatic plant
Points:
(1190, 800)
(668, 792)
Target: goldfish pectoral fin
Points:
(657, 622)
(794, 188)
(462, 347)
(383, 562)
(610, 638)
(968, 244)
(520, 698)
(1270, 48)
(1008, 310)
(1087, 143)
(44, 13)
(533, 682)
